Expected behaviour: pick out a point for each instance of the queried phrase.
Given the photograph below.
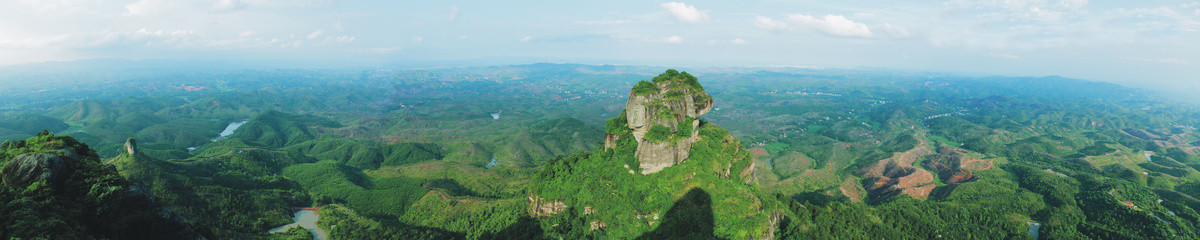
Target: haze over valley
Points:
(265, 119)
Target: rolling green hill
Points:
(799, 154)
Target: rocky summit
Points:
(26, 169)
(663, 115)
(663, 174)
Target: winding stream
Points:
(306, 219)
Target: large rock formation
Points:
(698, 169)
(663, 116)
(131, 146)
(26, 169)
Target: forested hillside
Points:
(488, 152)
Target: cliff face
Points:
(663, 116)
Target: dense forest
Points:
(472, 153)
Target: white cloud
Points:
(228, 5)
(770, 24)
(685, 13)
(893, 30)
(738, 41)
(672, 39)
(418, 39)
(141, 38)
(1073, 4)
(246, 34)
(526, 38)
(833, 25)
(316, 34)
(148, 7)
(462, 36)
(836, 25)
(453, 14)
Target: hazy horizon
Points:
(1141, 43)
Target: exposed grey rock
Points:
(131, 146)
(675, 103)
(598, 225)
(654, 157)
(773, 224)
(540, 207)
(26, 169)
(610, 140)
(70, 154)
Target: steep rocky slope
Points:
(55, 187)
(663, 117)
(662, 174)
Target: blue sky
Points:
(1143, 42)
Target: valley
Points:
(585, 151)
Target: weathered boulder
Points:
(663, 118)
(26, 169)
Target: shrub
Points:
(658, 133)
(643, 88)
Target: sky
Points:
(1143, 42)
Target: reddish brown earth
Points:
(953, 166)
(850, 190)
(896, 175)
(758, 152)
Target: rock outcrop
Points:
(131, 146)
(663, 118)
(690, 170)
(26, 169)
(540, 207)
(91, 199)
